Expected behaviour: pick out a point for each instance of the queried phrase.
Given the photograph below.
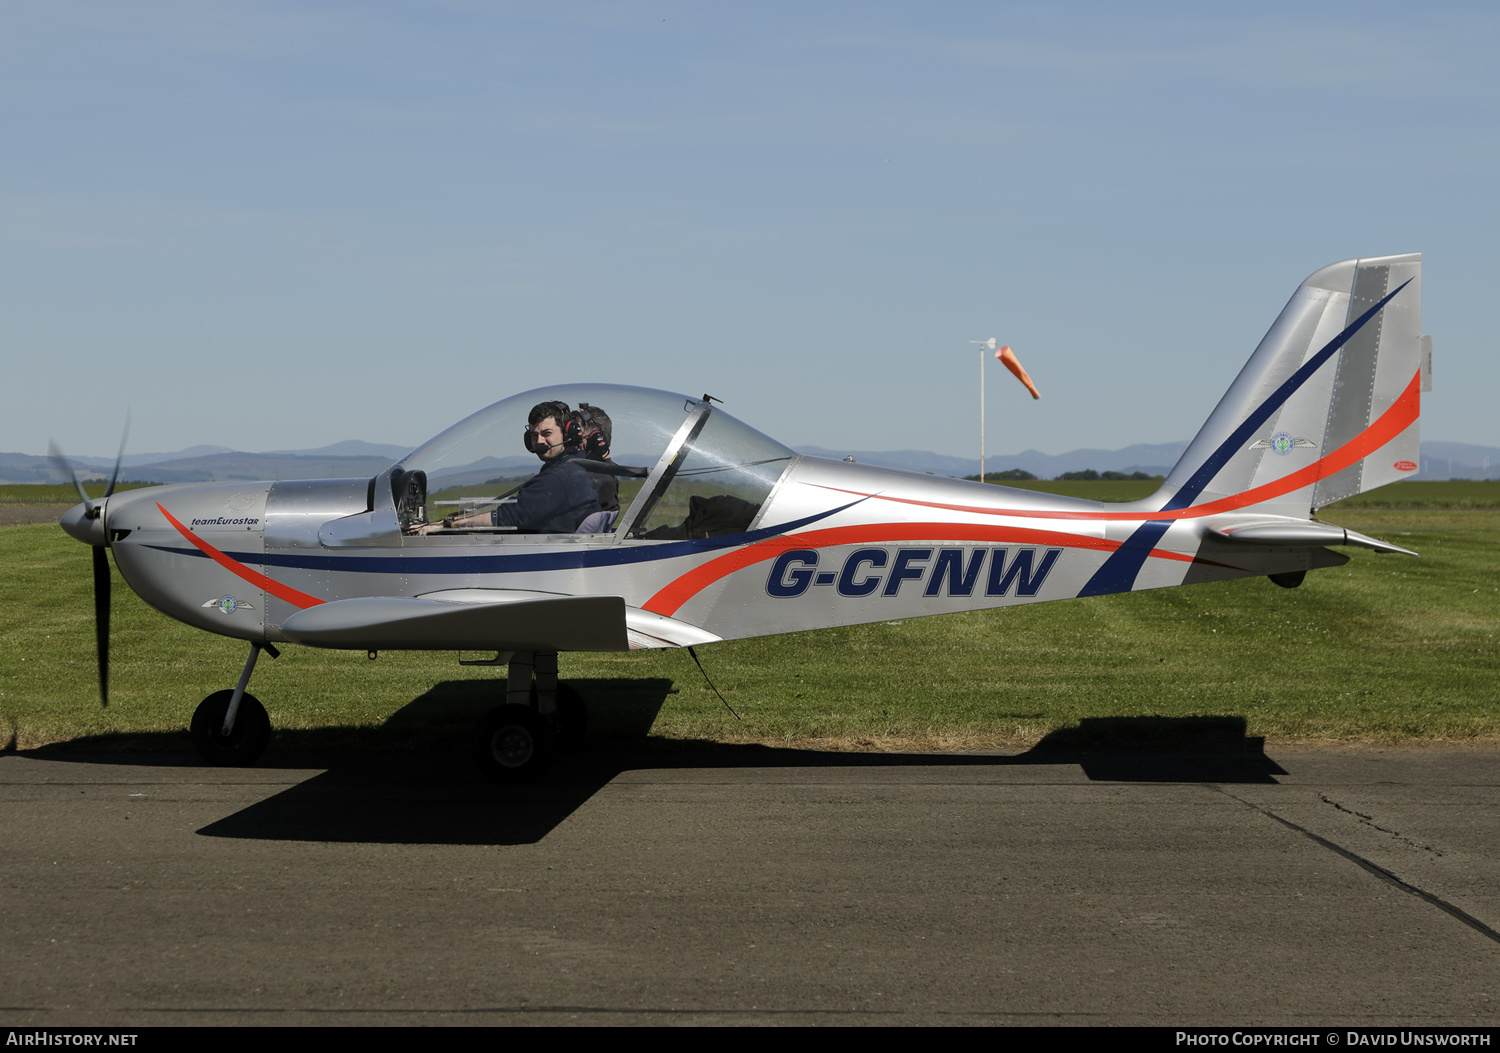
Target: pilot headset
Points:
(596, 443)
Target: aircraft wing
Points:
(484, 619)
(504, 622)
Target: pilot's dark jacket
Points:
(554, 501)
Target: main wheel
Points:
(244, 745)
(513, 744)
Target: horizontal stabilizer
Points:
(540, 622)
(1294, 534)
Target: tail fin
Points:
(1327, 406)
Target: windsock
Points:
(1012, 363)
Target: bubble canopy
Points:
(687, 451)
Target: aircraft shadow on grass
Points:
(409, 781)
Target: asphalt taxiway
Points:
(754, 886)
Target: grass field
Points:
(1387, 649)
(1450, 493)
(53, 493)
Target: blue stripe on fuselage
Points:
(575, 558)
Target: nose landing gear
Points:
(514, 743)
(247, 737)
(230, 728)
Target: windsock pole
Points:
(1008, 358)
(984, 345)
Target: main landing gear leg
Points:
(559, 704)
(545, 666)
(230, 728)
(518, 678)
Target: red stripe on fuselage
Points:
(1403, 412)
(669, 599)
(275, 588)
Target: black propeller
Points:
(101, 620)
(97, 535)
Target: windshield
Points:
(723, 473)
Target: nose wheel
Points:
(230, 728)
(245, 742)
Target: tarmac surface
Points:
(754, 886)
(15, 515)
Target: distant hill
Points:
(1151, 458)
(349, 448)
(354, 458)
(1460, 460)
(1440, 460)
(201, 464)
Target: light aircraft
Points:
(730, 534)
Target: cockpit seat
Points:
(598, 523)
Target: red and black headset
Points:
(595, 445)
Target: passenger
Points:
(597, 433)
(555, 500)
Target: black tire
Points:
(513, 744)
(245, 744)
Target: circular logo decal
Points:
(1282, 443)
(227, 604)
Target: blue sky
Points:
(276, 226)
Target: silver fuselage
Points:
(834, 544)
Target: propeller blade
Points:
(114, 476)
(101, 619)
(1012, 363)
(61, 463)
(96, 535)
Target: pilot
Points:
(557, 498)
